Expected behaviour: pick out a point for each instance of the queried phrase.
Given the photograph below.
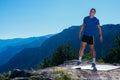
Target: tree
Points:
(61, 54)
(114, 54)
(117, 41)
(46, 63)
(58, 56)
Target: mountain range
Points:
(10, 47)
(30, 57)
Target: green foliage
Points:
(61, 54)
(46, 63)
(114, 54)
(117, 41)
(100, 61)
(2, 77)
(37, 77)
(63, 75)
(87, 56)
(5, 76)
(66, 76)
(60, 74)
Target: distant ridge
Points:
(9, 47)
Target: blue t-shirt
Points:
(90, 25)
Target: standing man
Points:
(89, 25)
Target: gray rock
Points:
(19, 73)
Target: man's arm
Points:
(100, 31)
(81, 29)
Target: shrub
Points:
(37, 77)
(61, 54)
(63, 75)
(114, 54)
(87, 56)
(100, 61)
(2, 77)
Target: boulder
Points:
(19, 73)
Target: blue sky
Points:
(27, 18)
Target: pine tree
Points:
(114, 55)
(61, 54)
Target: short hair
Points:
(93, 9)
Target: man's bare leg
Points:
(93, 55)
(81, 52)
(93, 51)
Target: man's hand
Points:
(101, 39)
(81, 29)
(79, 36)
(100, 31)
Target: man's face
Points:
(92, 12)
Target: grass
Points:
(2, 77)
(62, 75)
(36, 77)
(100, 61)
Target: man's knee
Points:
(92, 48)
(83, 45)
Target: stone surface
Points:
(19, 73)
(50, 74)
(99, 67)
(86, 74)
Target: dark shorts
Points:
(88, 39)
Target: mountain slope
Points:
(71, 35)
(14, 46)
(68, 35)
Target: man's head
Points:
(92, 12)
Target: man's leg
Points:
(93, 55)
(81, 52)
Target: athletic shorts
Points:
(88, 39)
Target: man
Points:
(89, 25)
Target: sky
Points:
(28, 18)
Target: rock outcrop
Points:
(65, 72)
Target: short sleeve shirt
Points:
(90, 25)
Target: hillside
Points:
(66, 72)
(70, 35)
(31, 57)
(10, 47)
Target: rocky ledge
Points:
(63, 72)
